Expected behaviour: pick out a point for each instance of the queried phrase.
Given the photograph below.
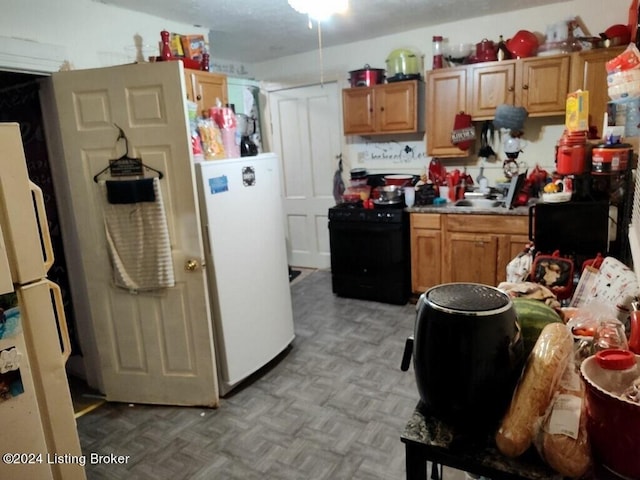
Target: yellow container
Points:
(577, 111)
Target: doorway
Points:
(20, 103)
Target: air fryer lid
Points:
(467, 298)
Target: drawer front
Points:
(426, 220)
(501, 224)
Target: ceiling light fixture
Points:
(319, 9)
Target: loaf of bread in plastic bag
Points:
(562, 439)
(537, 385)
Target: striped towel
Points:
(138, 241)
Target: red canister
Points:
(571, 153)
(607, 159)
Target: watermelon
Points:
(533, 315)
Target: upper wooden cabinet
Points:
(588, 72)
(387, 108)
(446, 96)
(206, 89)
(539, 84)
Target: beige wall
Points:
(38, 35)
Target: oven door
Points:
(370, 260)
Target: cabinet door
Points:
(471, 257)
(446, 97)
(206, 89)
(491, 85)
(426, 252)
(396, 107)
(588, 72)
(358, 110)
(543, 84)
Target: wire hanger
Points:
(125, 165)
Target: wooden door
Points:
(396, 107)
(358, 106)
(491, 85)
(306, 136)
(446, 97)
(543, 85)
(471, 257)
(206, 89)
(154, 347)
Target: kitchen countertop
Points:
(450, 208)
(431, 439)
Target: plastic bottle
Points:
(437, 52)
(621, 368)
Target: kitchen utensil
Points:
(467, 353)
(613, 422)
(458, 53)
(617, 35)
(403, 64)
(366, 77)
(389, 193)
(523, 44)
(485, 51)
(398, 180)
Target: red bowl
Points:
(523, 44)
(398, 180)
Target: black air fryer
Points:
(468, 354)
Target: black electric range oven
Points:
(370, 253)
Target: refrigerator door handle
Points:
(43, 224)
(61, 319)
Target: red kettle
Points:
(634, 336)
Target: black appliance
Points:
(467, 353)
(579, 229)
(370, 253)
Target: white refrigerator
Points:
(241, 208)
(39, 435)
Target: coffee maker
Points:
(246, 127)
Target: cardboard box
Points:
(577, 111)
(193, 46)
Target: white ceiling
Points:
(258, 30)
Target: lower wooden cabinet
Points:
(464, 248)
(426, 248)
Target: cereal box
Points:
(577, 111)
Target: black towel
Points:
(130, 191)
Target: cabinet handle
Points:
(382, 109)
(198, 98)
(525, 87)
(511, 89)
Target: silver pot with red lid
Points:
(366, 77)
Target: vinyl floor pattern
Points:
(333, 407)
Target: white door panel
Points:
(153, 347)
(306, 135)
